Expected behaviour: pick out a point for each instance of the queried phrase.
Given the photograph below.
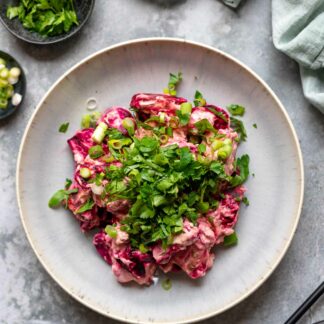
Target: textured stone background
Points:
(27, 293)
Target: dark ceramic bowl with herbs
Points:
(41, 28)
(19, 87)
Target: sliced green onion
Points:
(142, 248)
(227, 141)
(3, 83)
(91, 103)
(16, 99)
(166, 284)
(225, 151)
(217, 144)
(86, 120)
(3, 103)
(14, 72)
(96, 151)
(166, 91)
(9, 91)
(99, 133)
(116, 144)
(129, 125)
(4, 73)
(108, 158)
(162, 116)
(203, 160)
(111, 231)
(85, 173)
(164, 139)
(174, 122)
(186, 108)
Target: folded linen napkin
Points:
(298, 31)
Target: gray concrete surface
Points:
(27, 293)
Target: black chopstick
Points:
(306, 305)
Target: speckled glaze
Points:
(83, 9)
(265, 228)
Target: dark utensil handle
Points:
(306, 305)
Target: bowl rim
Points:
(47, 41)
(287, 242)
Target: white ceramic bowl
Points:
(265, 228)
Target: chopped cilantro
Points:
(60, 196)
(174, 80)
(201, 148)
(242, 164)
(64, 127)
(87, 206)
(183, 118)
(255, 125)
(236, 110)
(164, 184)
(245, 201)
(204, 125)
(230, 240)
(238, 126)
(68, 183)
(96, 151)
(48, 18)
(199, 99)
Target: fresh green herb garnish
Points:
(164, 184)
(230, 240)
(167, 284)
(238, 126)
(68, 183)
(255, 125)
(87, 206)
(64, 127)
(174, 80)
(199, 99)
(96, 151)
(245, 201)
(201, 148)
(204, 125)
(236, 110)
(60, 196)
(46, 17)
(183, 118)
(242, 164)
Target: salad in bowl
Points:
(160, 183)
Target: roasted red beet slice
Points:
(149, 104)
(113, 118)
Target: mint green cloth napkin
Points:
(298, 31)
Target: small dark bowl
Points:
(83, 9)
(19, 87)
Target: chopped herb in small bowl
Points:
(45, 21)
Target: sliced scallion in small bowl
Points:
(12, 85)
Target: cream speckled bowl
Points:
(265, 228)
